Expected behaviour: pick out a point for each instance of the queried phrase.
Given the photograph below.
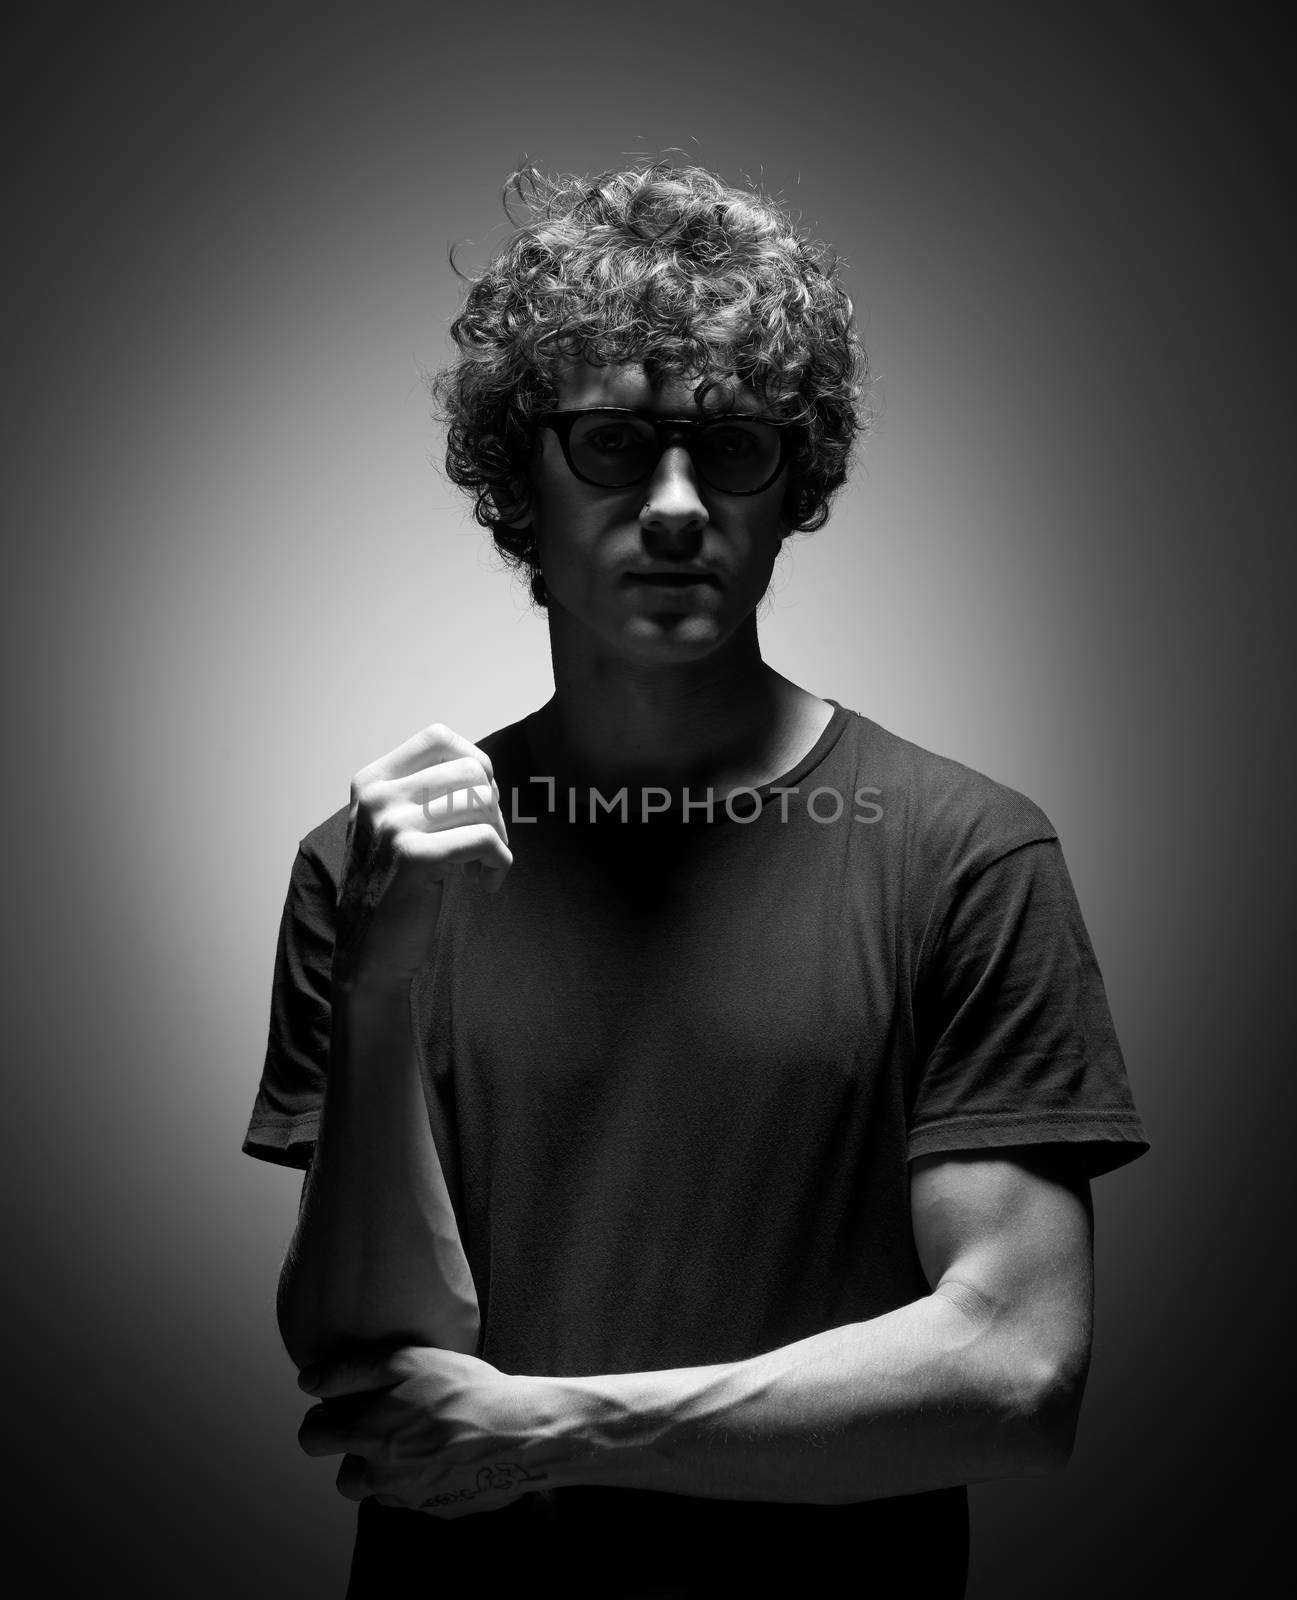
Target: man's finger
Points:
(457, 804)
(429, 747)
(452, 847)
(353, 1478)
(320, 1433)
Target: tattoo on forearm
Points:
(496, 1479)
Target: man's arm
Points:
(981, 1378)
(376, 1254)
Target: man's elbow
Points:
(1031, 1379)
(299, 1332)
(1042, 1415)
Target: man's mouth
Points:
(671, 580)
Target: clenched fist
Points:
(436, 1431)
(429, 808)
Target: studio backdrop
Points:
(236, 574)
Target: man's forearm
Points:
(934, 1394)
(376, 1255)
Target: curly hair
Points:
(662, 265)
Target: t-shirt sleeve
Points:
(1016, 1041)
(286, 1113)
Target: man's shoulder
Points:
(324, 846)
(949, 811)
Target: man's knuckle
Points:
(367, 795)
(402, 1364)
(408, 847)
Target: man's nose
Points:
(673, 516)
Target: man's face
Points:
(668, 569)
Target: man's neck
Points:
(723, 723)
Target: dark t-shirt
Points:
(676, 1071)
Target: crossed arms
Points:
(981, 1378)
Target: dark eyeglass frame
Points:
(669, 431)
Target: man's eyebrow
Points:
(694, 417)
(727, 406)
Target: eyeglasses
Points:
(614, 448)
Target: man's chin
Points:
(672, 637)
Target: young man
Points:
(699, 1084)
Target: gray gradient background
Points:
(235, 577)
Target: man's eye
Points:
(610, 440)
(734, 444)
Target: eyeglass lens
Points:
(733, 453)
